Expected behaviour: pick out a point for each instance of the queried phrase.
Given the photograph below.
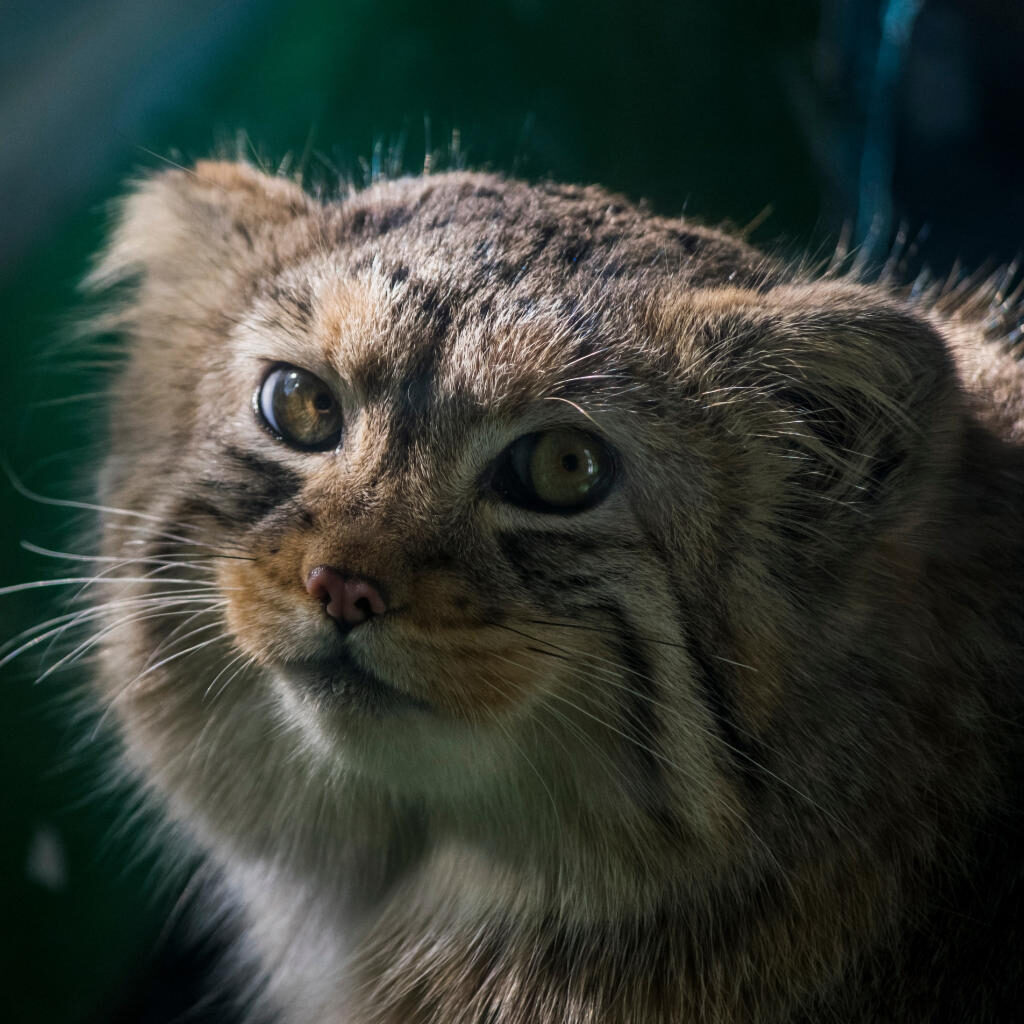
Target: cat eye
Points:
(562, 471)
(299, 409)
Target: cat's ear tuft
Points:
(280, 196)
(217, 221)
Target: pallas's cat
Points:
(543, 612)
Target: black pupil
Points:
(323, 402)
(570, 463)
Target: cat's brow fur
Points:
(740, 743)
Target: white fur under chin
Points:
(406, 751)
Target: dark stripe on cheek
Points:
(519, 556)
(285, 519)
(241, 504)
(636, 692)
(743, 751)
(251, 488)
(256, 465)
(638, 697)
(569, 544)
(194, 508)
(555, 591)
(544, 573)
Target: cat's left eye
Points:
(563, 471)
(299, 409)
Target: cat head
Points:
(562, 521)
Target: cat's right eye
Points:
(298, 408)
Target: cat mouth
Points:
(342, 682)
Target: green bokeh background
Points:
(722, 110)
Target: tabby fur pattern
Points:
(740, 743)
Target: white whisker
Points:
(91, 642)
(70, 620)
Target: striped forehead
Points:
(372, 338)
(413, 344)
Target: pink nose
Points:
(347, 599)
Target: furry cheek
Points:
(268, 621)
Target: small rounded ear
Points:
(867, 394)
(195, 233)
(855, 396)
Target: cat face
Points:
(515, 502)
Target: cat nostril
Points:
(348, 600)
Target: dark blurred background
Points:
(808, 122)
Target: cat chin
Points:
(387, 737)
(343, 686)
